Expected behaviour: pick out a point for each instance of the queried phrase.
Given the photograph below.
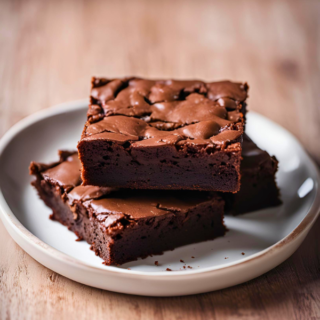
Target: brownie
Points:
(123, 225)
(163, 134)
(258, 185)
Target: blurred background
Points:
(50, 49)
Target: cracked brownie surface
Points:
(170, 127)
(166, 111)
(123, 225)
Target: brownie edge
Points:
(259, 189)
(123, 225)
(164, 134)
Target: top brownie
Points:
(163, 134)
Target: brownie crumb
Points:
(226, 257)
(181, 261)
(189, 267)
(184, 267)
(156, 263)
(192, 257)
(168, 269)
(243, 253)
(129, 269)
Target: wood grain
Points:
(50, 49)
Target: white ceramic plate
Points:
(266, 238)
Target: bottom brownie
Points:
(124, 225)
(258, 185)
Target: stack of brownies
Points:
(159, 162)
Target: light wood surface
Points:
(50, 49)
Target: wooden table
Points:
(49, 51)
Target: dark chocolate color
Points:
(167, 134)
(258, 185)
(123, 225)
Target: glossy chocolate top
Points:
(109, 201)
(152, 112)
(66, 174)
(142, 204)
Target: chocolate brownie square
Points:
(163, 134)
(123, 225)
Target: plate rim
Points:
(7, 216)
